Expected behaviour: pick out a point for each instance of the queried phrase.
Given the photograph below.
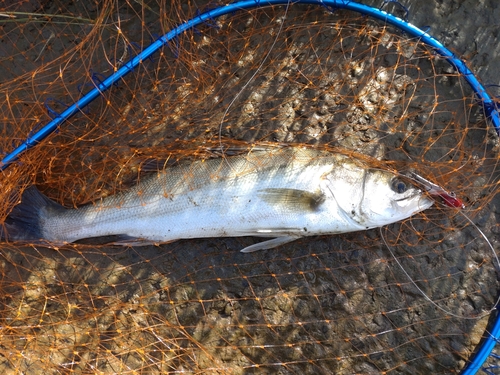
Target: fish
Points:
(281, 194)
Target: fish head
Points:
(387, 198)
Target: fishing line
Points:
(252, 77)
(497, 265)
(450, 200)
(430, 299)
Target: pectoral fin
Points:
(269, 244)
(293, 199)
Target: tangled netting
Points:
(412, 298)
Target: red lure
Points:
(449, 198)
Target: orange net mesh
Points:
(299, 74)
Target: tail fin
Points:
(25, 222)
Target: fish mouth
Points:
(422, 200)
(425, 202)
(416, 193)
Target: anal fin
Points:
(118, 240)
(269, 244)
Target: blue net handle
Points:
(461, 67)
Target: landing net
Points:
(296, 74)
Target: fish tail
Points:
(25, 222)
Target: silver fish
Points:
(283, 193)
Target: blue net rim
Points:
(490, 108)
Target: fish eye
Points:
(398, 186)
